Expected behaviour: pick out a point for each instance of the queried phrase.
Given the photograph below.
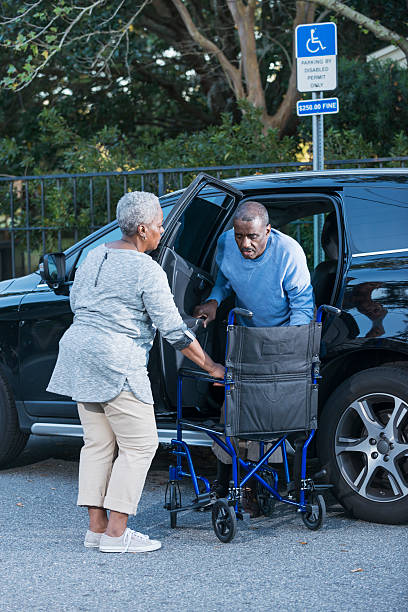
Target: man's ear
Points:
(268, 229)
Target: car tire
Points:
(12, 439)
(363, 444)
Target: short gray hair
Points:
(135, 208)
(251, 210)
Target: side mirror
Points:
(52, 269)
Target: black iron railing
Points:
(51, 212)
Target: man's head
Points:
(252, 229)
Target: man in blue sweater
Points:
(268, 273)
(266, 269)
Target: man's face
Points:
(251, 237)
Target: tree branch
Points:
(304, 14)
(10, 20)
(376, 28)
(122, 33)
(233, 74)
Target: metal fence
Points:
(51, 212)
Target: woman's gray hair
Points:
(136, 208)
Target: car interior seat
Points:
(324, 275)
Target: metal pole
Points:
(314, 133)
(320, 138)
(318, 165)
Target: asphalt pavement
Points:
(274, 563)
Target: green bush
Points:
(59, 149)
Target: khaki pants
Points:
(124, 427)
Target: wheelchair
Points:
(270, 390)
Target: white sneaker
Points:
(92, 539)
(130, 541)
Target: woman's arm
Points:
(196, 353)
(160, 307)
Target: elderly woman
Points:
(119, 297)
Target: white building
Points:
(390, 53)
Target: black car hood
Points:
(24, 284)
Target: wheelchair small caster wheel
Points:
(224, 520)
(314, 519)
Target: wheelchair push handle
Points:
(238, 311)
(329, 309)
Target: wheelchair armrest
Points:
(190, 373)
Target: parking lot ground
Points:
(274, 563)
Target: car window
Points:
(114, 234)
(200, 225)
(377, 218)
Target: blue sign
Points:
(320, 106)
(316, 40)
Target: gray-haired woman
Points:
(119, 297)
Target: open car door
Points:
(186, 253)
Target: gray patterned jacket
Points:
(119, 298)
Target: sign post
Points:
(316, 53)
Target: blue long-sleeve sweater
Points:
(275, 286)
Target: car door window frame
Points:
(193, 190)
(336, 201)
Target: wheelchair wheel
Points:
(224, 520)
(266, 501)
(315, 519)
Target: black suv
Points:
(363, 429)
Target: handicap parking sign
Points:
(316, 39)
(316, 51)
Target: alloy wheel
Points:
(371, 447)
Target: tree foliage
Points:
(229, 50)
(134, 70)
(372, 103)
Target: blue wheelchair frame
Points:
(181, 450)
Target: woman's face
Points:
(154, 232)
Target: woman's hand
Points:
(196, 353)
(217, 371)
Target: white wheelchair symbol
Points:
(314, 40)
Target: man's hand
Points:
(206, 311)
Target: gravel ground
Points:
(275, 562)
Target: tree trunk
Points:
(247, 84)
(305, 12)
(244, 19)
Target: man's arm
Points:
(221, 290)
(208, 310)
(298, 288)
